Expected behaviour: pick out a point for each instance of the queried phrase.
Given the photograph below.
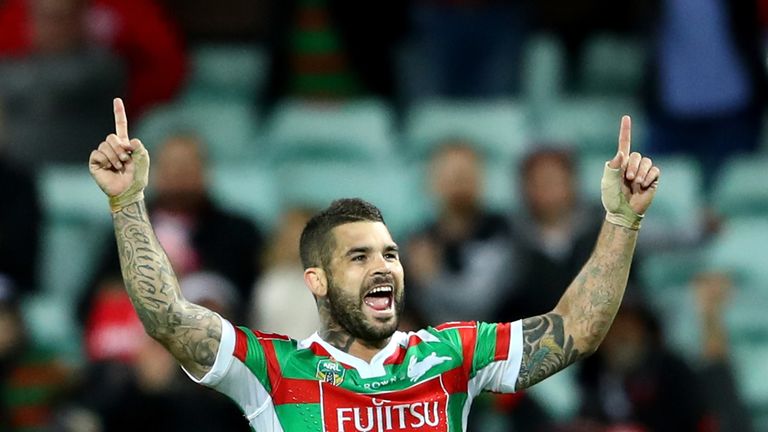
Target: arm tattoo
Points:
(580, 321)
(332, 332)
(546, 349)
(190, 332)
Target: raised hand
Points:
(120, 165)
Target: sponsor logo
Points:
(386, 415)
(422, 407)
(330, 372)
(417, 369)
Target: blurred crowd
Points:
(495, 218)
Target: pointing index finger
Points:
(121, 121)
(625, 135)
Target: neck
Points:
(337, 336)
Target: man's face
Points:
(365, 280)
(179, 173)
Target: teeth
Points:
(387, 289)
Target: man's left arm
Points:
(577, 325)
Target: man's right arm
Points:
(120, 166)
(190, 332)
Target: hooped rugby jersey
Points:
(421, 381)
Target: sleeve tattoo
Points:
(190, 332)
(582, 318)
(546, 349)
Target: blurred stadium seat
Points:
(612, 65)
(389, 184)
(543, 74)
(590, 125)
(231, 72)
(498, 129)
(351, 131)
(739, 190)
(228, 128)
(739, 250)
(249, 189)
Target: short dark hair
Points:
(317, 243)
(562, 156)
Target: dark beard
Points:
(348, 313)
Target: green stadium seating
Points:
(740, 250)
(499, 129)
(389, 184)
(612, 65)
(352, 131)
(233, 72)
(249, 189)
(543, 73)
(590, 125)
(739, 191)
(228, 128)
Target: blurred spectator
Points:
(20, 219)
(459, 265)
(195, 232)
(712, 290)
(634, 383)
(212, 291)
(228, 21)
(138, 31)
(334, 49)
(468, 49)
(553, 234)
(574, 23)
(280, 292)
(53, 82)
(708, 81)
(32, 379)
(167, 401)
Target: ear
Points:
(316, 281)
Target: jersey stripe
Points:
(398, 356)
(297, 391)
(503, 335)
(468, 337)
(241, 345)
(273, 366)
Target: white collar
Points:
(366, 370)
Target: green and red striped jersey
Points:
(423, 380)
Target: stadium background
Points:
(274, 145)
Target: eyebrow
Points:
(367, 249)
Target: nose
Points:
(382, 266)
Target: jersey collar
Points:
(366, 370)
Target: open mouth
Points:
(380, 298)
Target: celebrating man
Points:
(358, 373)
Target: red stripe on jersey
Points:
(273, 366)
(503, 335)
(262, 335)
(297, 391)
(455, 325)
(468, 337)
(241, 345)
(398, 356)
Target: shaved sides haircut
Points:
(317, 243)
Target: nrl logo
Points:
(330, 371)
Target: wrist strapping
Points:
(616, 205)
(135, 191)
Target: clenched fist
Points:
(120, 165)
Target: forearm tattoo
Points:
(546, 349)
(190, 332)
(585, 313)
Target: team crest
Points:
(330, 371)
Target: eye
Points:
(391, 256)
(358, 258)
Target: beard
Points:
(347, 311)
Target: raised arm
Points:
(120, 166)
(582, 317)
